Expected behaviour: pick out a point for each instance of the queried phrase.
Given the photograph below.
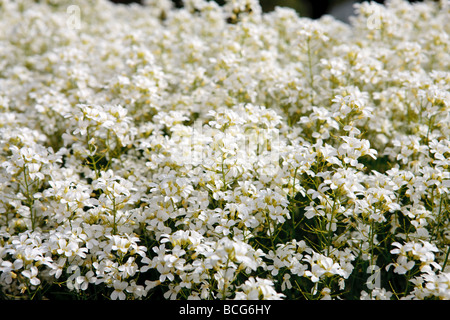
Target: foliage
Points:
(218, 152)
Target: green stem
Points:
(446, 259)
(30, 199)
(438, 222)
(329, 232)
(293, 198)
(270, 231)
(311, 75)
(224, 281)
(114, 216)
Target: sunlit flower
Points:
(119, 287)
(223, 152)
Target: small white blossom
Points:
(223, 152)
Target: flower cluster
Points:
(219, 152)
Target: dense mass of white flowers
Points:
(219, 152)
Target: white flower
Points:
(119, 287)
(258, 289)
(196, 145)
(58, 267)
(286, 285)
(322, 266)
(82, 282)
(31, 274)
(9, 270)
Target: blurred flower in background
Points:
(340, 9)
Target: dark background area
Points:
(306, 8)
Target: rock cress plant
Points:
(219, 152)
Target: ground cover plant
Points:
(219, 152)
